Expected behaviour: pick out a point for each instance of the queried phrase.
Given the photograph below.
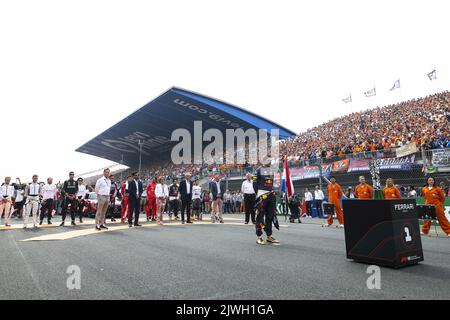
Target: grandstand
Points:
(412, 138)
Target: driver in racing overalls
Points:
(265, 206)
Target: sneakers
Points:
(341, 226)
(326, 225)
(260, 241)
(62, 224)
(73, 223)
(272, 240)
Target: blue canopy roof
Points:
(154, 123)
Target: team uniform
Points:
(6, 194)
(151, 197)
(49, 194)
(363, 191)
(113, 193)
(32, 192)
(435, 196)
(265, 205)
(124, 202)
(334, 196)
(69, 192)
(174, 204)
(391, 193)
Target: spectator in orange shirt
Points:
(434, 195)
(391, 192)
(363, 190)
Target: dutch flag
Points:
(286, 182)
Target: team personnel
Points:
(48, 193)
(391, 191)
(102, 190)
(81, 196)
(248, 191)
(186, 197)
(197, 201)
(32, 193)
(125, 203)
(217, 189)
(7, 195)
(308, 202)
(174, 192)
(318, 197)
(363, 190)
(434, 195)
(162, 194)
(113, 194)
(334, 196)
(266, 206)
(134, 189)
(19, 200)
(151, 207)
(69, 194)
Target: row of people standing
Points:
(433, 194)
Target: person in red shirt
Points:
(434, 195)
(335, 193)
(363, 190)
(124, 200)
(150, 209)
(391, 191)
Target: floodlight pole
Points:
(140, 143)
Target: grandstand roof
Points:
(154, 123)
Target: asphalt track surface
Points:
(207, 261)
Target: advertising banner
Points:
(406, 150)
(403, 163)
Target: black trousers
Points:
(319, 208)
(308, 207)
(174, 206)
(133, 204)
(264, 218)
(46, 208)
(249, 200)
(186, 207)
(73, 208)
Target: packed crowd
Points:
(424, 121)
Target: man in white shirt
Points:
(19, 202)
(102, 189)
(249, 198)
(308, 202)
(81, 195)
(32, 192)
(319, 196)
(161, 193)
(48, 193)
(197, 200)
(6, 196)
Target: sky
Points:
(71, 69)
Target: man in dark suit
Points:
(186, 197)
(217, 188)
(134, 189)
